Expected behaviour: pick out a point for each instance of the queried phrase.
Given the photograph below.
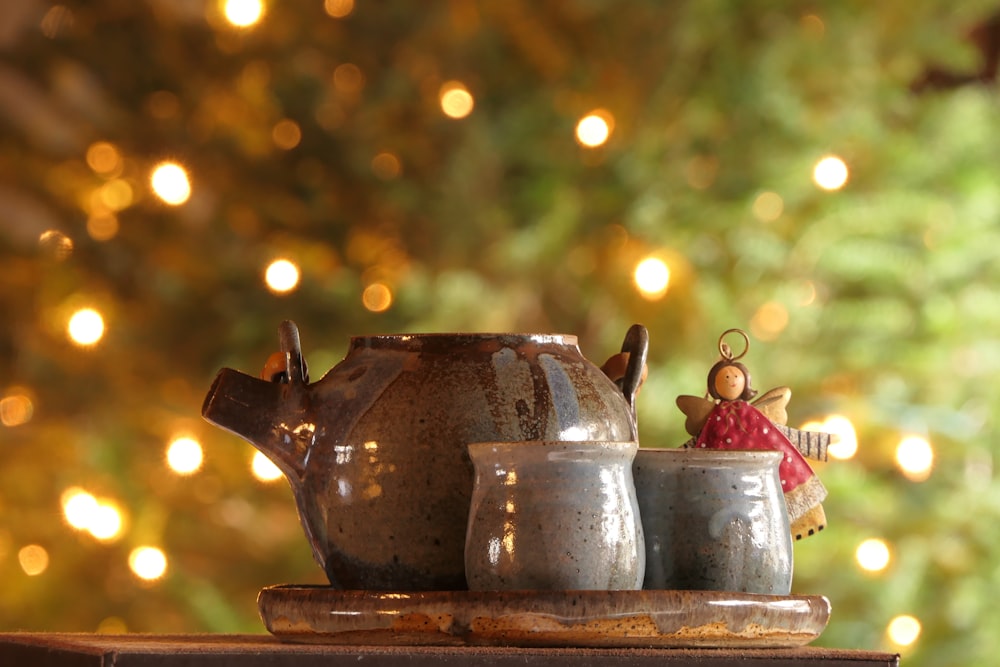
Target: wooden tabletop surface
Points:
(143, 650)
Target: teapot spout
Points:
(268, 415)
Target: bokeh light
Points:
(456, 100)
(16, 408)
(286, 134)
(386, 166)
(104, 158)
(55, 244)
(78, 507)
(102, 225)
(769, 321)
(148, 563)
(595, 128)
(807, 293)
(184, 455)
(85, 327)
(873, 555)
(652, 278)
(377, 297)
(830, 173)
(170, 183)
(903, 630)
(106, 522)
(112, 625)
(348, 78)
(263, 469)
(281, 276)
(33, 559)
(243, 13)
(101, 518)
(338, 9)
(915, 457)
(116, 195)
(768, 206)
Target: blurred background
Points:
(178, 176)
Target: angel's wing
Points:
(773, 403)
(696, 410)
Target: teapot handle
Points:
(288, 337)
(636, 344)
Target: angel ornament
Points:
(725, 419)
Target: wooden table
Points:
(134, 650)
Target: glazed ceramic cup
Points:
(714, 520)
(551, 515)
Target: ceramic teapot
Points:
(375, 451)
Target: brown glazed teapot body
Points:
(375, 451)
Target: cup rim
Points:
(707, 453)
(508, 445)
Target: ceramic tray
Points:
(542, 618)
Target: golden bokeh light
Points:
(286, 134)
(170, 183)
(652, 278)
(377, 297)
(915, 457)
(116, 194)
(338, 9)
(33, 559)
(106, 522)
(104, 158)
(595, 128)
(873, 555)
(807, 293)
(112, 625)
(386, 166)
(348, 78)
(281, 276)
(102, 226)
(768, 206)
(243, 13)
(184, 455)
(769, 321)
(85, 327)
(148, 563)
(78, 507)
(16, 408)
(55, 244)
(903, 630)
(830, 173)
(101, 518)
(263, 469)
(456, 100)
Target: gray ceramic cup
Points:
(714, 520)
(554, 515)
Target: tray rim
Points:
(290, 613)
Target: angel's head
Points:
(730, 381)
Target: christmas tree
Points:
(176, 178)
